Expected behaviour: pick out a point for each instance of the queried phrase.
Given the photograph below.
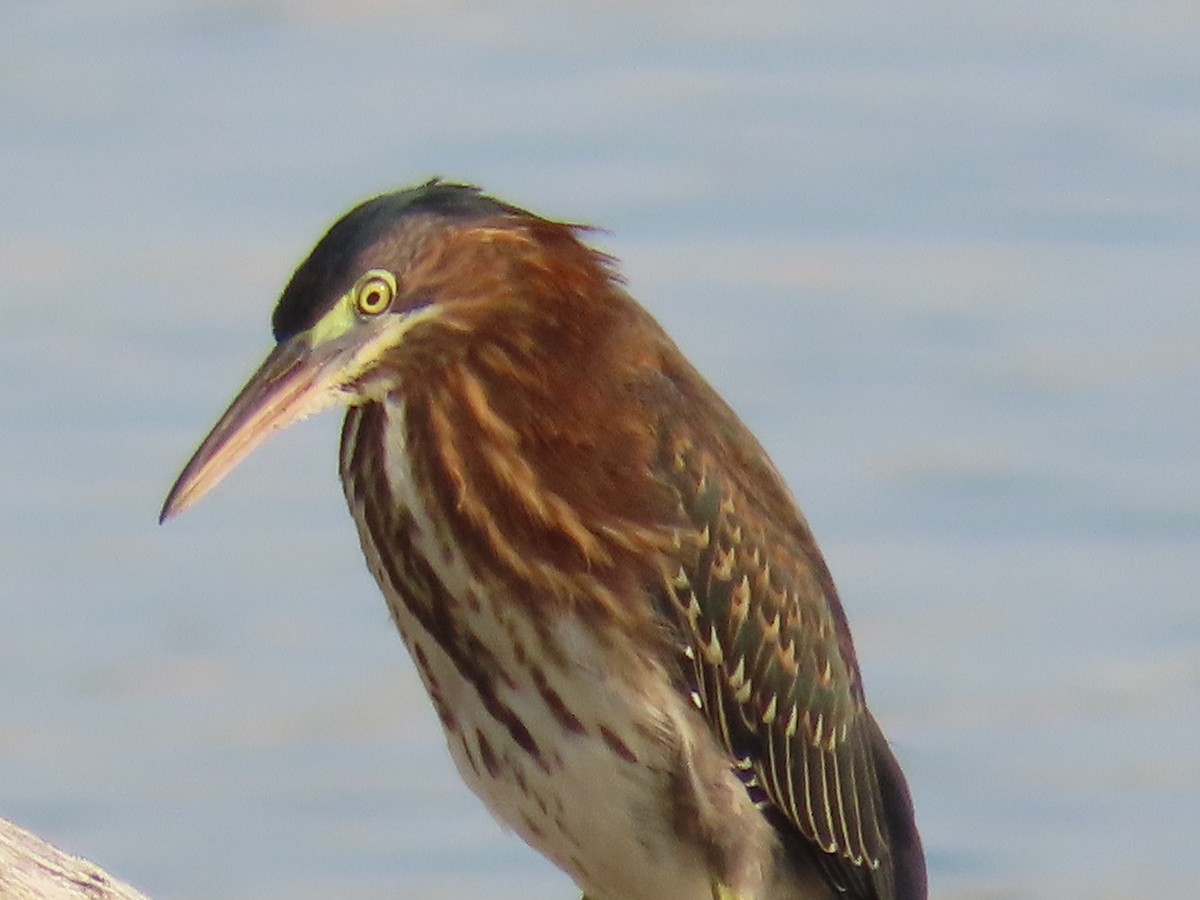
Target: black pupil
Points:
(374, 296)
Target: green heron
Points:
(634, 646)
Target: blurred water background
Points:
(944, 258)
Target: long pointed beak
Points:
(293, 382)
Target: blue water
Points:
(944, 259)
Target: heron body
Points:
(633, 644)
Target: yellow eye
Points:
(375, 292)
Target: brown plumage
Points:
(623, 620)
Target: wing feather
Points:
(771, 656)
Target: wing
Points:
(769, 659)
